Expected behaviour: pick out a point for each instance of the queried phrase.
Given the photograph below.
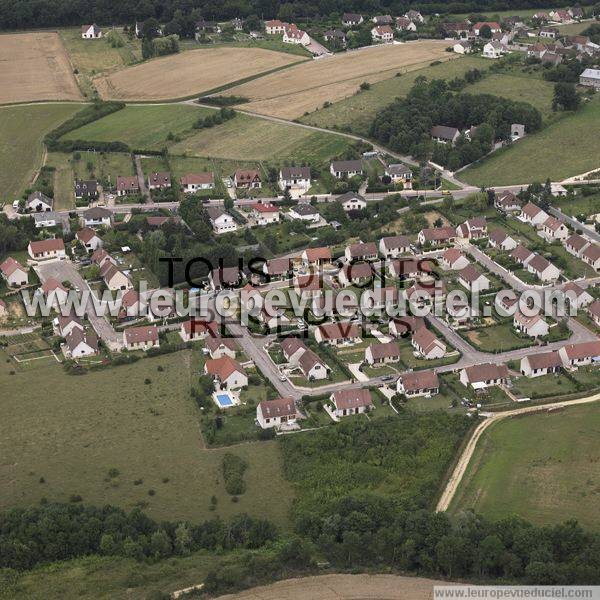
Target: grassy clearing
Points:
(497, 338)
(21, 132)
(567, 147)
(540, 467)
(586, 205)
(556, 385)
(356, 112)
(149, 432)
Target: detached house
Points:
(533, 214)
(533, 326)
(580, 355)
(38, 202)
(484, 375)
(591, 256)
(114, 278)
(406, 325)
(355, 274)
(14, 273)
(436, 236)
(471, 278)
(127, 185)
(351, 201)
(537, 365)
(507, 202)
(494, 49)
(427, 344)
(141, 338)
(454, 260)
(265, 214)
(418, 383)
(227, 373)
(338, 334)
(409, 268)
(91, 32)
(55, 292)
(97, 217)
(493, 26)
(380, 354)
(394, 246)
(594, 312)
(308, 286)
(194, 330)
(399, 173)
(444, 135)
(64, 325)
(293, 35)
(218, 347)
(361, 251)
(224, 277)
(221, 221)
(86, 190)
(351, 19)
(542, 268)
(405, 24)
(521, 255)
(80, 343)
(47, 249)
(499, 239)
(159, 181)
(576, 296)
(247, 178)
(275, 413)
(553, 229)
(304, 212)
(350, 402)
(312, 257)
(295, 179)
(382, 33)
(89, 239)
(196, 182)
(275, 27)
(346, 168)
(472, 229)
(575, 244)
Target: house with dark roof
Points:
(484, 375)
(444, 134)
(86, 190)
(543, 363)
(275, 413)
(418, 383)
(382, 353)
(349, 402)
(346, 168)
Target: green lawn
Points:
(567, 147)
(21, 131)
(113, 419)
(497, 338)
(586, 205)
(541, 467)
(556, 385)
(356, 112)
(246, 137)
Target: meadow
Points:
(188, 73)
(566, 147)
(139, 419)
(21, 131)
(541, 467)
(35, 66)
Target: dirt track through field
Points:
(188, 73)
(304, 88)
(35, 66)
(343, 587)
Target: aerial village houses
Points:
(418, 383)
(159, 180)
(39, 202)
(338, 334)
(196, 182)
(89, 239)
(355, 274)
(315, 257)
(63, 325)
(86, 190)
(227, 373)
(507, 202)
(493, 26)
(351, 201)
(264, 214)
(47, 249)
(97, 217)
(406, 325)
(591, 256)
(55, 292)
(350, 402)
(471, 278)
(247, 178)
(545, 363)
(409, 268)
(399, 173)
(575, 244)
(114, 278)
(444, 135)
(543, 269)
(295, 179)
(304, 212)
(484, 375)
(351, 19)
(473, 229)
(454, 260)
(533, 326)
(218, 347)
(382, 33)
(308, 286)
(221, 221)
(224, 277)
(380, 354)
(499, 239)
(533, 214)
(275, 413)
(361, 251)
(594, 312)
(127, 184)
(427, 344)
(141, 338)
(436, 236)
(46, 219)
(553, 229)
(576, 296)
(394, 246)
(346, 168)
(580, 355)
(195, 329)
(312, 367)
(293, 35)
(80, 343)
(14, 273)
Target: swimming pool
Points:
(224, 400)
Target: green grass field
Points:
(356, 112)
(565, 148)
(21, 131)
(149, 432)
(246, 137)
(541, 467)
(497, 338)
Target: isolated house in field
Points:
(484, 375)
(89, 239)
(159, 181)
(350, 402)
(338, 334)
(444, 135)
(265, 214)
(247, 178)
(38, 202)
(97, 217)
(275, 413)
(304, 212)
(533, 214)
(86, 190)
(47, 249)
(197, 182)
(471, 278)
(453, 260)
(427, 344)
(553, 229)
(499, 239)
(80, 343)
(394, 246)
(221, 221)
(381, 354)
(544, 363)
(195, 329)
(382, 33)
(141, 338)
(346, 168)
(418, 383)
(14, 273)
(533, 326)
(351, 201)
(312, 257)
(295, 179)
(91, 32)
(227, 373)
(127, 185)
(580, 355)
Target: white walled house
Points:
(454, 260)
(80, 343)
(394, 246)
(543, 269)
(533, 326)
(350, 402)
(227, 373)
(89, 239)
(427, 344)
(221, 221)
(304, 212)
(14, 273)
(141, 338)
(55, 292)
(295, 179)
(553, 229)
(97, 217)
(537, 365)
(418, 383)
(293, 35)
(265, 214)
(352, 201)
(196, 182)
(91, 32)
(382, 33)
(39, 202)
(275, 413)
(47, 249)
(381, 354)
(580, 355)
(346, 168)
(533, 214)
(484, 375)
(473, 280)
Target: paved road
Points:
(575, 224)
(463, 462)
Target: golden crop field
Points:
(188, 73)
(304, 88)
(35, 66)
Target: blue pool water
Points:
(224, 400)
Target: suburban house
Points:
(264, 214)
(393, 246)
(227, 373)
(576, 296)
(46, 219)
(352, 201)
(361, 251)
(308, 286)
(130, 305)
(457, 30)
(196, 182)
(293, 35)
(493, 26)
(335, 35)
(295, 179)
(218, 347)
(38, 202)
(444, 134)
(409, 268)
(346, 168)
(427, 344)
(194, 330)
(86, 190)
(64, 325)
(56, 293)
(590, 78)
(159, 180)
(415, 16)
(114, 278)
(14, 273)
(293, 348)
(338, 334)
(591, 256)
(127, 184)
(521, 255)
(275, 413)
(80, 343)
(313, 257)
(471, 278)
(472, 229)
(399, 173)
(494, 49)
(484, 375)
(157, 222)
(351, 19)
(275, 27)
(544, 363)
(405, 24)
(278, 267)
(350, 402)
(312, 367)
(46, 249)
(247, 178)
(594, 312)
(575, 244)
(380, 354)
(453, 259)
(221, 221)
(418, 383)
(543, 269)
(406, 325)
(533, 214)
(97, 217)
(553, 229)
(499, 239)
(463, 47)
(579, 355)
(381, 297)
(141, 338)
(100, 256)
(355, 274)
(304, 212)
(436, 236)
(425, 293)
(224, 277)
(533, 326)
(89, 239)
(548, 32)
(507, 202)
(382, 19)
(382, 33)
(91, 32)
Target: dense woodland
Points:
(21, 14)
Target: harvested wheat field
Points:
(188, 73)
(304, 88)
(343, 587)
(35, 66)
